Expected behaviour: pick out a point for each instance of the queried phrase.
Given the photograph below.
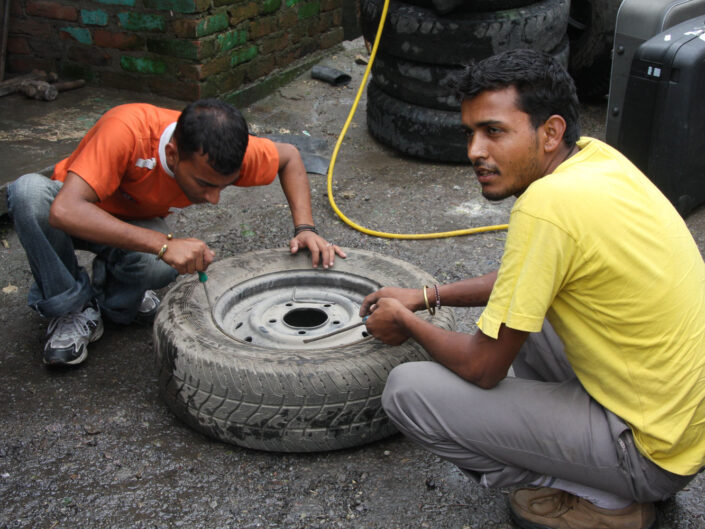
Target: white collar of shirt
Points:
(166, 138)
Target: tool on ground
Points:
(333, 333)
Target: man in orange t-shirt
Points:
(110, 197)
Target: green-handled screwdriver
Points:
(202, 277)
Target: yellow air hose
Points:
(352, 224)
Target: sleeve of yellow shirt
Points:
(537, 262)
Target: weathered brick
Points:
(309, 9)
(187, 49)
(259, 68)
(120, 41)
(146, 65)
(269, 6)
(200, 27)
(27, 63)
(128, 3)
(329, 5)
(178, 6)
(199, 72)
(242, 12)
(45, 48)
(89, 55)
(169, 86)
(18, 45)
(262, 26)
(99, 17)
(287, 18)
(29, 26)
(244, 54)
(230, 39)
(134, 21)
(52, 10)
(331, 38)
(273, 43)
(82, 35)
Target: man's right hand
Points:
(411, 298)
(188, 255)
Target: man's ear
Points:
(172, 153)
(553, 129)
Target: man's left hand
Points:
(322, 251)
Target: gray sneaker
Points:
(70, 335)
(148, 308)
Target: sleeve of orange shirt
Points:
(260, 164)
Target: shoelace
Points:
(69, 326)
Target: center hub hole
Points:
(305, 317)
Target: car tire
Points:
(279, 398)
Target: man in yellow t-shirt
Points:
(110, 197)
(598, 305)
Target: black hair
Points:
(543, 84)
(216, 129)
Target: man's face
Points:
(503, 146)
(198, 180)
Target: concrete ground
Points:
(96, 446)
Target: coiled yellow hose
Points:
(438, 235)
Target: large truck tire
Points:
(422, 132)
(430, 85)
(243, 375)
(422, 35)
(591, 32)
(448, 6)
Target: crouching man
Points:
(110, 197)
(598, 305)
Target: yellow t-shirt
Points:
(597, 249)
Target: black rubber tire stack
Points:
(411, 106)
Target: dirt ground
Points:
(97, 447)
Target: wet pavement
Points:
(97, 447)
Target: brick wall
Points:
(187, 49)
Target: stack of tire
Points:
(411, 105)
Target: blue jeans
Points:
(120, 277)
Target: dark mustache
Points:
(481, 166)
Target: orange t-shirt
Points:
(122, 158)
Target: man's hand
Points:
(411, 298)
(188, 255)
(321, 250)
(386, 321)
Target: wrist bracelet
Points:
(165, 247)
(162, 251)
(304, 227)
(431, 310)
(438, 297)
